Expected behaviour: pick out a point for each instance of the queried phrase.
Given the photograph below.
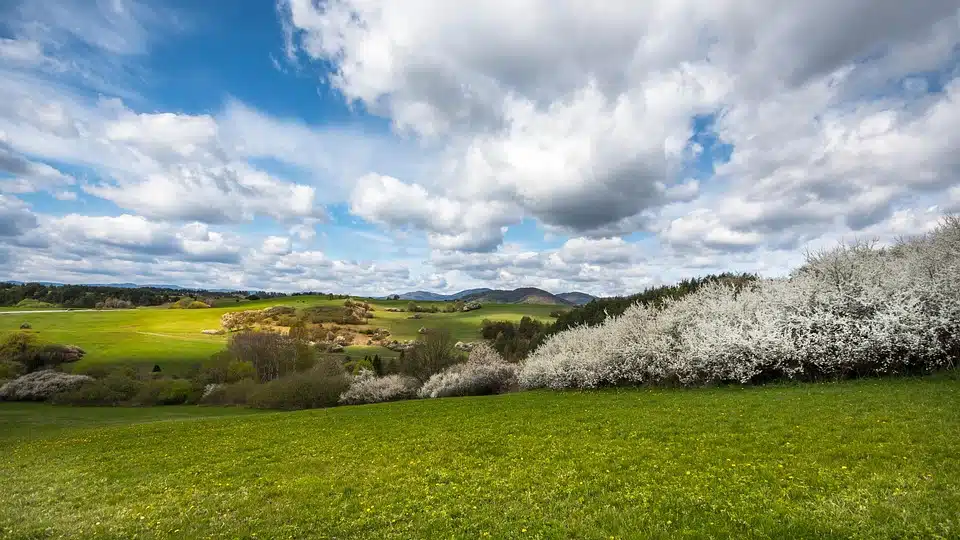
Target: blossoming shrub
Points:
(41, 385)
(485, 372)
(368, 388)
(850, 311)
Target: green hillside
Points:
(865, 459)
(172, 337)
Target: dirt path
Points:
(171, 336)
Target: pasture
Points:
(867, 459)
(172, 338)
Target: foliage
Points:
(433, 352)
(88, 296)
(114, 303)
(413, 307)
(26, 349)
(514, 340)
(188, 302)
(366, 387)
(30, 303)
(318, 387)
(10, 369)
(484, 373)
(166, 391)
(117, 388)
(237, 393)
(852, 311)
(272, 355)
(858, 459)
(40, 385)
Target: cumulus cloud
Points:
(583, 117)
(139, 236)
(15, 217)
(451, 224)
(21, 175)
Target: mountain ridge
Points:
(523, 295)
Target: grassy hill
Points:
(172, 337)
(867, 459)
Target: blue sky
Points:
(376, 147)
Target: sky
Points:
(380, 146)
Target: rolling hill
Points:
(525, 295)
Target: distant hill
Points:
(425, 296)
(577, 298)
(525, 295)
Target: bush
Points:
(484, 373)
(848, 312)
(41, 385)
(116, 388)
(26, 349)
(433, 352)
(237, 393)
(10, 370)
(319, 387)
(114, 303)
(167, 392)
(272, 355)
(368, 388)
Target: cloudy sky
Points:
(377, 146)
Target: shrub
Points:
(41, 385)
(318, 387)
(430, 354)
(484, 373)
(368, 388)
(26, 349)
(116, 388)
(10, 370)
(272, 355)
(237, 393)
(167, 392)
(852, 311)
(114, 303)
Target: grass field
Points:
(172, 338)
(869, 459)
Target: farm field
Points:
(171, 337)
(868, 459)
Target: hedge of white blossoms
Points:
(854, 310)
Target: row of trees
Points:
(515, 341)
(89, 296)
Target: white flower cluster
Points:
(40, 385)
(368, 388)
(854, 310)
(485, 372)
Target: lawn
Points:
(171, 338)
(869, 459)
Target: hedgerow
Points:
(366, 387)
(851, 311)
(484, 373)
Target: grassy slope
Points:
(859, 459)
(172, 336)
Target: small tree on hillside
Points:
(433, 352)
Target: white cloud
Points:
(581, 116)
(451, 224)
(15, 217)
(21, 175)
(276, 245)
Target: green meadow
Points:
(172, 338)
(858, 459)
